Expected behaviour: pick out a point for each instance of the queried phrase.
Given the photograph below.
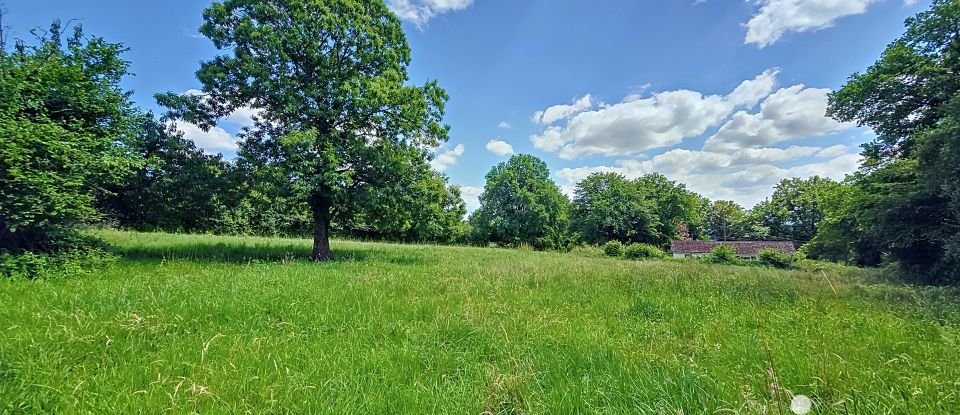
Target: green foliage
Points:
(903, 205)
(418, 206)
(649, 209)
(723, 254)
(775, 258)
(336, 119)
(728, 221)
(23, 265)
(64, 119)
(643, 251)
(608, 207)
(521, 205)
(177, 189)
(673, 205)
(796, 208)
(68, 264)
(613, 249)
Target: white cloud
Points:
(213, 141)
(243, 116)
(552, 139)
(742, 161)
(419, 12)
(504, 125)
(560, 112)
(789, 113)
(448, 158)
(499, 147)
(750, 92)
(833, 151)
(775, 18)
(639, 124)
(471, 197)
(719, 176)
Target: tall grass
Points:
(204, 324)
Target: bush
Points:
(31, 265)
(644, 251)
(775, 258)
(613, 248)
(25, 265)
(723, 254)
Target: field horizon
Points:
(214, 324)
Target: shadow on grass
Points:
(241, 253)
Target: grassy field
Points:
(204, 324)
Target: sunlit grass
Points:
(244, 325)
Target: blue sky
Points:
(726, 96)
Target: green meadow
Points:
(209, 324)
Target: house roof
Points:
(743, 248)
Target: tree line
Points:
(341, 145)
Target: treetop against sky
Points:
(727, 97)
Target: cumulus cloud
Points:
(750, 92)
(471, 197)
(560, 112)
(500, 148)
(419, 12)
(638, 124)
(213, 141)
(775, 18)
(504, 125)
(217, 140)
(833, 151)
(750, 151)
(720, 176)
(789, 113)
(244, 117)
(447, 158)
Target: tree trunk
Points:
(321, 205)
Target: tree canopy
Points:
(328, 81)
(521, 205)
(64, 120)
(904, 202)
(608, 207)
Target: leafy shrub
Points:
(643, 251)
(31, 265)
(25, 265)
(723, 254)
(613, 248)
(775, 258)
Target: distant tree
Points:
(772, 217)
(751, 227)
(420, 207)
(328, 78)
(904, 201)
(178, 188)
(608, 207)
(674, 205)
(521, 205)
(64, 119)
(726, 220)
(796, 208)
(839, 237)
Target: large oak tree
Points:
(328, 80)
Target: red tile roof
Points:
(743, 248)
